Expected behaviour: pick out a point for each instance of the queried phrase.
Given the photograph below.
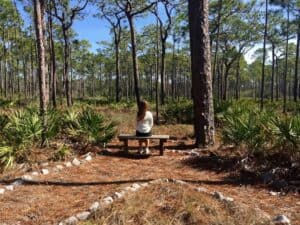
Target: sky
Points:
(95, 29)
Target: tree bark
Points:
(286, 59)
(39, 20)
(297, 63)
(262, 88)
(273, 72)
(134, 58)
(201, 73)
(53, 62)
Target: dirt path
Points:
(48, 204)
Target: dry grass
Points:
(173, 204)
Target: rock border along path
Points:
(28, 177)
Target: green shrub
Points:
(286, 133)
(54, 124)
(178, 112)
(62, 152)
(8, 154)
(95, 128)
(23, 129)
(243, 126)
(262, 132)
(70, 120)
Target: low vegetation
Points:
(22, 129)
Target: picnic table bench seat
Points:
(161, 137)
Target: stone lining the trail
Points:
(28, 177)
(96, 206)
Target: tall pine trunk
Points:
(39, 20)
(134, 59)
(201, 73)
(296, 63)
(262, 88)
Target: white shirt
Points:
(145, 125)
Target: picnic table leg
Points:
(161, 146)
(126, 146)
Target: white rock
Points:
(273, 193)
(127, 188)
(194, 154)
(118, 194)
(165, 180)
(61, 223)
(68, 164)
(144, 184)
(202, 189)
(2, 190)
(218, 195)
(45, 171)
(108, 200)
(83, 215)
(228, 199)
(45, 164)
(59, 167)
(27, 177)
(9, 187)
(179, 182)
(71, 220)
(155, 181)
(34, 173)
(94, 207)
(17, 183)
(281, 220)
(88, 158)
(137, 186)
(76, 162)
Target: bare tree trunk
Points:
(262, 89)
(273, 72)
(220, 4)
(277, 78)
(67, 68)
(201, 73)
(162, 72)
(237, 86)
(225, 83)
(53, 62)
(296, 63)
(117, 70)
(134, 59)
(286, 59)
(39, 21)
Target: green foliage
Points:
(7, 156)
(62, 152)
(286, 132)
(220, 107)
(94, 127)
(23, 128)
(54, 124)
(261, 132)
(70, 119)
(243, 126)
(178, 112)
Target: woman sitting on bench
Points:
(143, 126)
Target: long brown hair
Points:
(142, 110)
